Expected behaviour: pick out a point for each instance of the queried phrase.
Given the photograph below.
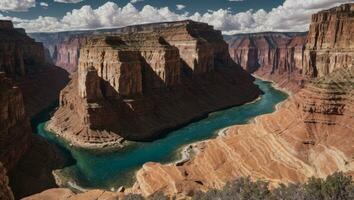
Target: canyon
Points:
(170, 74)
(139, 84)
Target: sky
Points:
(230, 16)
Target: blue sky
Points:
(229, 16)
(56, 9)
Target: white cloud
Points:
(136, 1)
(44, 4)
(16, 5)
(291, 16)
(68, 1)
(180, 7)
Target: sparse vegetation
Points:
(335, 187)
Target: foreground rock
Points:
(137, 86)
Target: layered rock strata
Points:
(271, 55)
(309, 135)
(5, 190)
(15, 128)
(330, 41)
(134, 86)
(19, 53)
(28, 85)
(65, 47)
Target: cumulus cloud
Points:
(290, 16)
(16, 5)
(180, 7)
(136, 1)
(68, 1)
(44, 4)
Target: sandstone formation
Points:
(14, 125)
(5, 190)
(330, 41)
(137, 85)
(310, 135)
(65, 47)
(18, 52)
(271, 55)
(23, 60)
(28, 84)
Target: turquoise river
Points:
(111, 170)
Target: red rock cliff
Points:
(18, 52)
(5, 191)
(14, 125)
(330, 41)
(275, 56)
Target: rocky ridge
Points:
(142, 80)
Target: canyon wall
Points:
(133, 85)
(15, 129)
(309, 135)
(271, 55)
(28, 85)
(330, 41)
(5, 190)
(18, 52)
(24, 60)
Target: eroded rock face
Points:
(18, 52)
(67, 53)
(28, 85)
(126, 84)
(5, 190)
(14, 125)
(274, 56)
(330, 41)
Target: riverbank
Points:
(190, 150)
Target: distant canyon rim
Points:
(137, 83)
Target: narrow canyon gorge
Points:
(108, 89)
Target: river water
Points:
(111, 170)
